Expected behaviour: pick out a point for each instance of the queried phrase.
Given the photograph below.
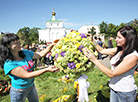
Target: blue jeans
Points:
(20, 95)
(122, 96)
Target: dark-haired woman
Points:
(19, 66)
(123, 64)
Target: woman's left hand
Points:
(53, 69)
(89, 54)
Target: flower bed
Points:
(4, 87)
(5, 83)
(68, 55)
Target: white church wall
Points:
(44, 35)
(54, 24)
(56, 33)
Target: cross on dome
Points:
(53, 13)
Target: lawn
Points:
(48, 84)
(49, 88)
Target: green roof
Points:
(54, 21)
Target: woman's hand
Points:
(55, 41)
(89, 54)
(53, 69)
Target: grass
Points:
(50, 88)
(48, 84)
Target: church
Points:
(54, 30)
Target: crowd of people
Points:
(44, 61)
(101, 43)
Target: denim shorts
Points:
(116, 96)
(20, 95)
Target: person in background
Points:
(34, 49)
(27, 47)
(110, 44)
(47, 61)
(95, 39)
(124, 61)
(44, 58)
(100, 43)
(19, 66)
(39, 64)
(22, 47)
(51, 60)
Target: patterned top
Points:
(27, 64)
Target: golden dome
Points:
(53, 13)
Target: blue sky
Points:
(16, 14)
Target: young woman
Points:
(19, 66)
(123, 64)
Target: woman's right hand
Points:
(53, 69)
(89, 54)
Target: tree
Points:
(33, 35)
(103, 28)
(111, 30)
(2, 34)
(28, 36)
(24, 35)
(134, 23)
(121, 25)
(92, 31)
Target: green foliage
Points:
(2, 34)
(42, 42)
(4, 79)
(24, 35)
(92, 31)
(111, 29)
(103, 28)
(27, 35)
(134, 23)
(34, 35)
(3, 76)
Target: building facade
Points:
(54, 30)
(86, 28)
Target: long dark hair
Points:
(131, 44)
(5, 51)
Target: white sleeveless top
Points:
(124, 82)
